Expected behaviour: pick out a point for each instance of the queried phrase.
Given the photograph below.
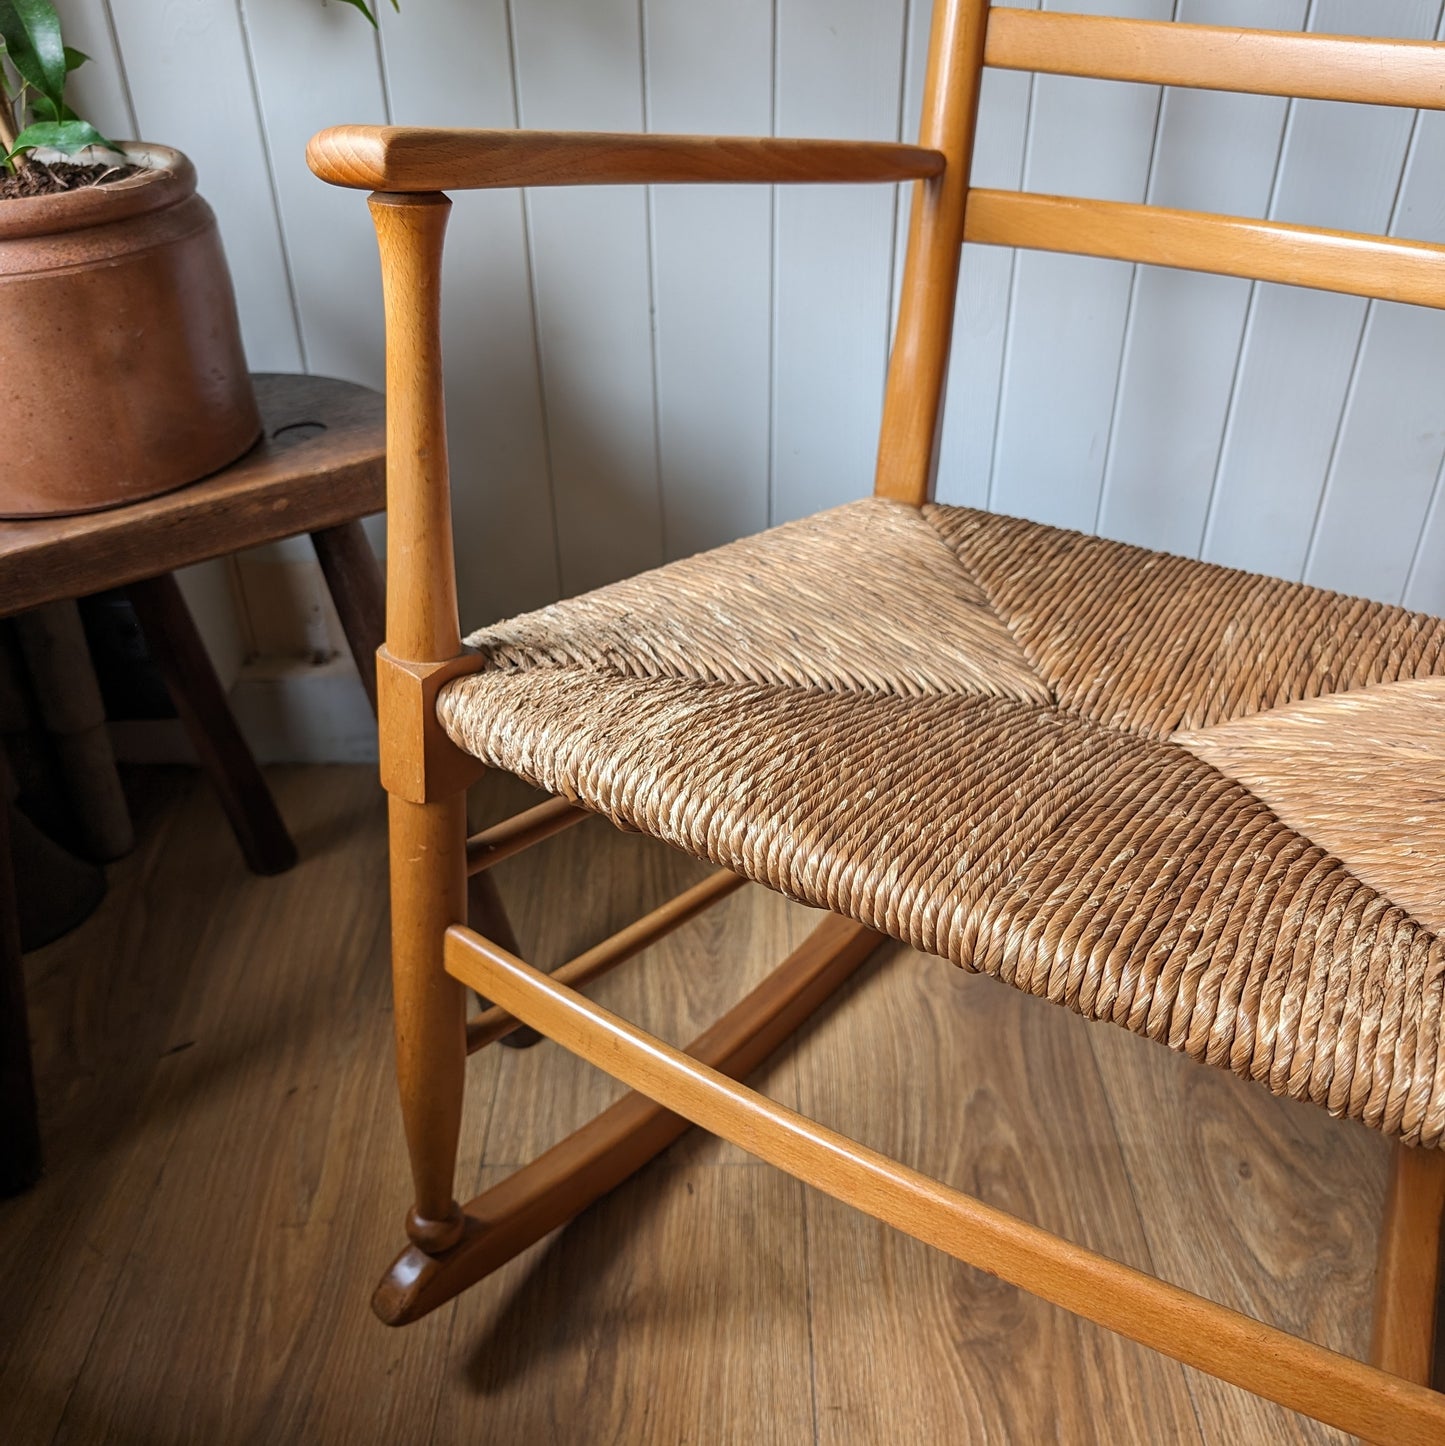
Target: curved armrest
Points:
(421, 158)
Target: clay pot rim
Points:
(166, 178)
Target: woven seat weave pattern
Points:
(1137, 785)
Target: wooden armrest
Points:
(421, 158)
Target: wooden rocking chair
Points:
(1109, 777)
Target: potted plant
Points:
(119, 342)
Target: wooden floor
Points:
(226, 1181)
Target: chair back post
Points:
(913, 401)
(421, 588)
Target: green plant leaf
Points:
(74, 58)
(31, 32)
(366, 9)
(43, 108)
(68, 136)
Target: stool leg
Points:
(200, 700)
(20, 1159)
(354, 581)
(1408, 1283)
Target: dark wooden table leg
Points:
(20, 1159)
(355, 583)
(184, 664)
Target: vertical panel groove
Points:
(1352, 390)
(285, 249)
(1126, 350)
(531, 264)
(383, 77)
(904, 56)
(1013, 285)
(1248, 328)
(120, 68)
(773, 286)
(1245, 332)
(1426, 527)
(649, 204)
(1126, 343)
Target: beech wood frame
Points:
(435, 954)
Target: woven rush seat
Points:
(1201, 804)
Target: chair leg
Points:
(1407, 1286)
(200, 700)
(355, 584)
(428, 892)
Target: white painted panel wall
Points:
(1215, 152)
(452, 65)
(839, 73)
(1066, 328)
(634, 375)
(1301, 347)
(579, 66)
(1388, 455)
(709, 70)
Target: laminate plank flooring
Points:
(227, 1177)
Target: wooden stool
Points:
(319, 467)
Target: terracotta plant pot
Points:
(120, 355)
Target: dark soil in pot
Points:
(39, 179)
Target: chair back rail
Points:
(1218, 57)
(973, 34)
(1361, 265)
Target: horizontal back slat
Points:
(1381, 267)
(1208, 57)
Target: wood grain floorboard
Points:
(227, 1179)
(103, 1005)
(1004, 1102)
(1266, 1205)
(699, 1337)
(677, 987)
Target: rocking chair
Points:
(1113, 778)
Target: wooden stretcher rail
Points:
(1344, 261)
(426, 158)
(494, 1023)
(1263, 1359)
(520, 832)
(1216, 57)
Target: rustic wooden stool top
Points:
(320, 463)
